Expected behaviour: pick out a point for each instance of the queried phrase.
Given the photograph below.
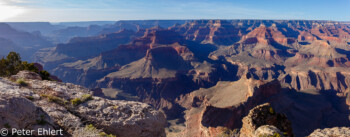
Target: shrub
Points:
(84, 98)
(13, 64)
(103, 134)
(30, 67)
(76, 101)
(55, 99)
(21, 82)
(30, 97)
(45, 75)
(271, 110)
(41, 121)
(7, 125)
(92, 128)
(276, 135)
(3, 65)
(226, 132)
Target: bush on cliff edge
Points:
(13, 64)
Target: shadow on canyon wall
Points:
(307, 110)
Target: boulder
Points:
(73, 108)
(267, 130)
(26, 75)
(331, 132)
(20, 113)
(264, 118)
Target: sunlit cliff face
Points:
(9, 11)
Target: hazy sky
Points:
(95, 10)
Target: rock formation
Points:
(264, 121)
(331, 132)
(220, 69)
(224, 105)
(57, 105)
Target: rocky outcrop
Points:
(72, 108)
(264, 121)
(26, 75)
(331, 132)
(224, 105)
(268, 130)
(20, 113)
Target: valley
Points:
(205, 75)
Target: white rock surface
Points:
(54, 100)
(267, 130)
(332, 132)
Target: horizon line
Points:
(165, 20)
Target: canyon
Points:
(206, 75)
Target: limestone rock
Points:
(73, 108)
(20, 113)
(124, 118)
(267, 130)
(331, 132)
(26, 75)
(263, 115)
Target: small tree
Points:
(14, 63)
(3, 67)
(45, 75)
(29, 67)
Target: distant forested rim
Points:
(13, 64)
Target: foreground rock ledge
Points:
(331, 132)
(36, 104)
(264, 121)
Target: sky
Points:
(113, 10)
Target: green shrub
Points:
(10, 65)
(84, 98)
(92, 128)
(13, 64)
(29, 66)
(21, 82)
(45, 75)
(41, 121)
(285, 133)
(103, 134)
(271, 110)
(3, 65)
(76, 101)
(276, 135)
(55, 99)
(30, 97)
(226, 132)
(7, 125)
